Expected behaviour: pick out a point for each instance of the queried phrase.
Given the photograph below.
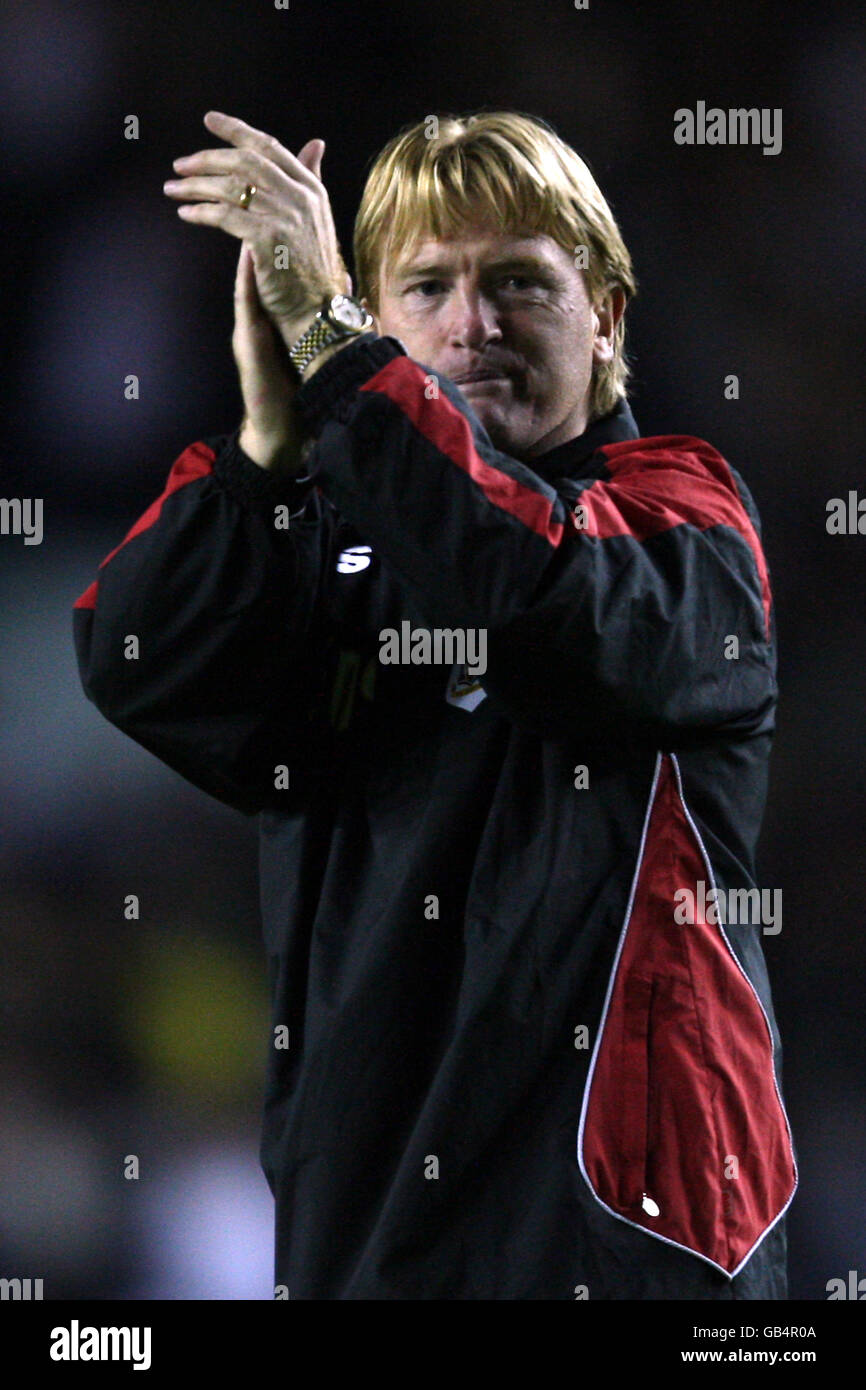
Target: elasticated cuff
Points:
(329, 390)
(258, 487)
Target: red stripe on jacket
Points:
(448, 430)
(195, 462)
(698, 488)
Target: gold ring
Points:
(246, 196)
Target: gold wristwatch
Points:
(339, 317)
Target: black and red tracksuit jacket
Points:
(511, 1072)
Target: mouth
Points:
(476, 378)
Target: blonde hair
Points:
(442, 175)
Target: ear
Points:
(607, 314)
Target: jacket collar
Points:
(566, 458)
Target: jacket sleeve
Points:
(198, 637)
(641, 602)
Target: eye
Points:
(519, 282)
(423, 286)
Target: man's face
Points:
(509, 320)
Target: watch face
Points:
(347, 313)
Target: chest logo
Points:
(356, 558)
(464, 691)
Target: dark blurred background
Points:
(148, 1037)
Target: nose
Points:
(474, 321)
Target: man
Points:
(502, 693)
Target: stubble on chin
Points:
(505, 437)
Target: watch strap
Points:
(323, 331)
(320, 334)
